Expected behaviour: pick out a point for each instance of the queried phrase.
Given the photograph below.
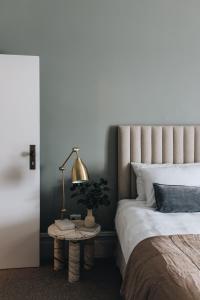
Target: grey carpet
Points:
(102, 283)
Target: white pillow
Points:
(137, 167)
(174, 174)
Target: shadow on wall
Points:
(49, 207)
(51, 202)
(111, 172)
(51, 199)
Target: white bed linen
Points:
(135, 221)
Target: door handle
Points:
(32, 163)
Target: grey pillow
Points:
(177, 198)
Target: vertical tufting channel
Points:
(178, 144)
(156, 144)
(124, 148)
(188, 144)
(136, 143)
(135, 140)
(146, 144)
(167, 144)
(197, 144)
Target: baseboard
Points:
(105, 244)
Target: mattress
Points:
(120, 260)
(135, 221)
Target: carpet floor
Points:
(101, 283)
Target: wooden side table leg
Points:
(74, 261)
(58, 260)
(89, 254)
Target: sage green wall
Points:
(103, 63)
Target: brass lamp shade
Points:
(79, 172)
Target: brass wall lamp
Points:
(79, 174)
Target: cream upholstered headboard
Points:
(153, 144)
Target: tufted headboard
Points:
(153, 144)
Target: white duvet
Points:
(135, 221)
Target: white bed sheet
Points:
(135, 221)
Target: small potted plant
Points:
(91, 194)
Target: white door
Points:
(19, 185)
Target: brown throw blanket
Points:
(164, 268)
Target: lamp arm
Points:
(62, 169)
(74, 150)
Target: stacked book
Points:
(64, 224)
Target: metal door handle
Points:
(32, 157)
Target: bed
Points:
(138, 224)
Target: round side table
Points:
(74, 236)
